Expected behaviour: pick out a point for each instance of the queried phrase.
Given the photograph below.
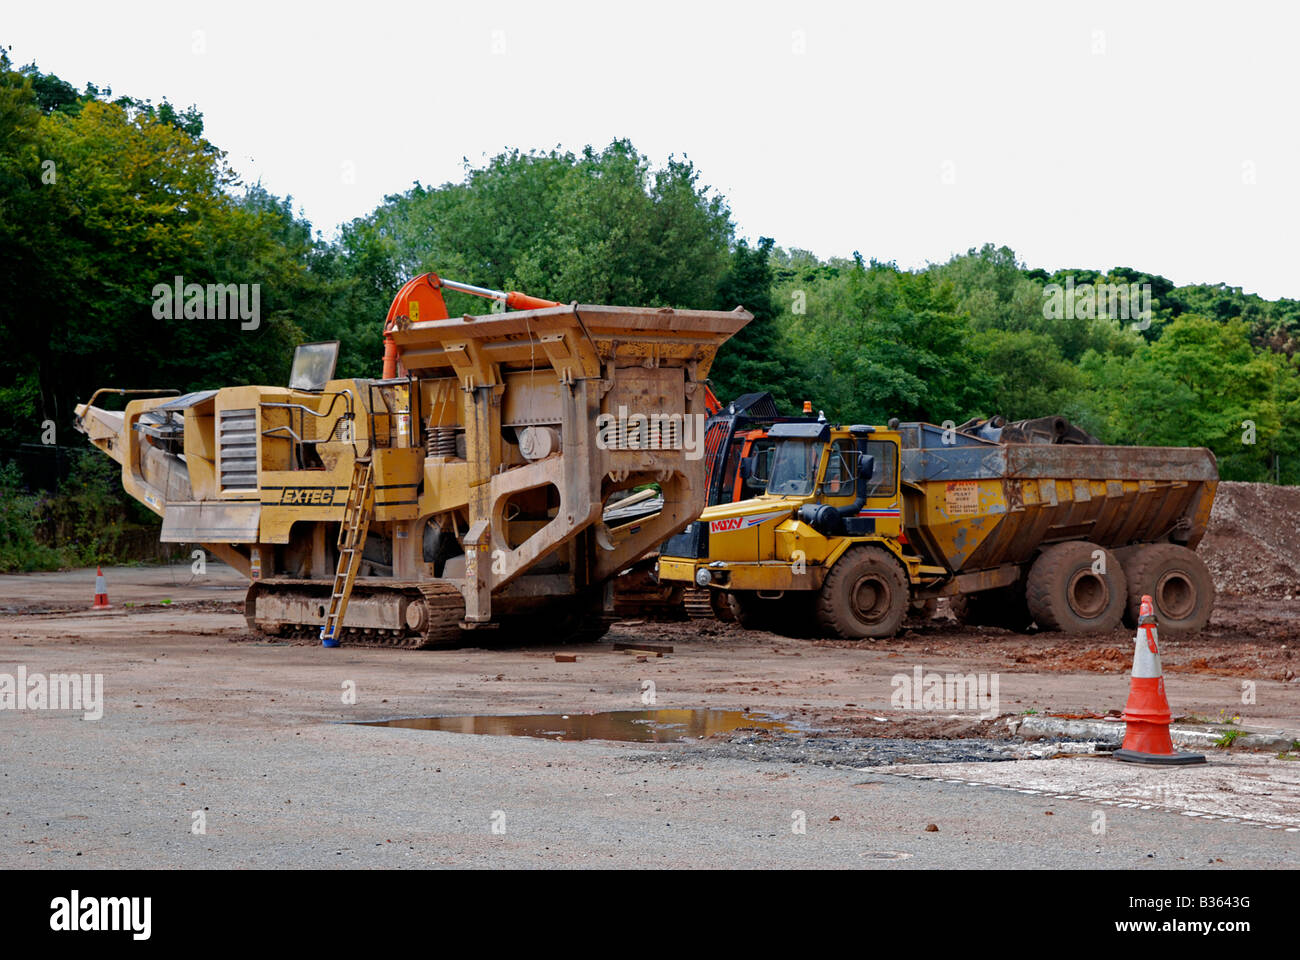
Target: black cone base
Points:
(1162, 759)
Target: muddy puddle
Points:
(632, 726)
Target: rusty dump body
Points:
(490, 460)
(982, 509)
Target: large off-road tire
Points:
(1065, 593)
(1003, 607)
(1178, 582)
(864, 595)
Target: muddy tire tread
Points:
(1139, 567)
(1045, 596)
(831, 606)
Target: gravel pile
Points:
(1252, 546)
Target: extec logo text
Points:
(307, 496)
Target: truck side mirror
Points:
(866, 466)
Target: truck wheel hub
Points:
(1088, 594)
(1175, 596)
(870, 599)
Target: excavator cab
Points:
(755, 466)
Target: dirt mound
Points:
(1252, 546)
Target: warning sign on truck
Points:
(961, 498)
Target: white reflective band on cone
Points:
(1146, 656)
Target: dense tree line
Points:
(104, 198)
(977, 336)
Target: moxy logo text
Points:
(741, 523)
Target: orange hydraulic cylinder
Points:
(419, 299)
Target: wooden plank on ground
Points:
(648, 647)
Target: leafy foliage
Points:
(598, 227)
(103, 199)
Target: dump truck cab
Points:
(829, 490)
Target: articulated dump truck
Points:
(463, 491)
(1017, 524)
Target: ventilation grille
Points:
(237, 441)
(645, 432)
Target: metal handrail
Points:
(122, 391)
(298, 406)
(350, 415)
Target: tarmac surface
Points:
(256, 744)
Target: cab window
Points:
(841, 469)
(884, 477)
(794, 468)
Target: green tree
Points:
(1201, 384)
(755, 358)
(879, 342)
(1030, 377)
(597, 227)
(100, 203)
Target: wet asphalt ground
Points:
(125, 792)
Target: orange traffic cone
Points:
(1146, 715)
(101, 591)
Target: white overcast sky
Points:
(1152, 135)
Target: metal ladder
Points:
(351, 542)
